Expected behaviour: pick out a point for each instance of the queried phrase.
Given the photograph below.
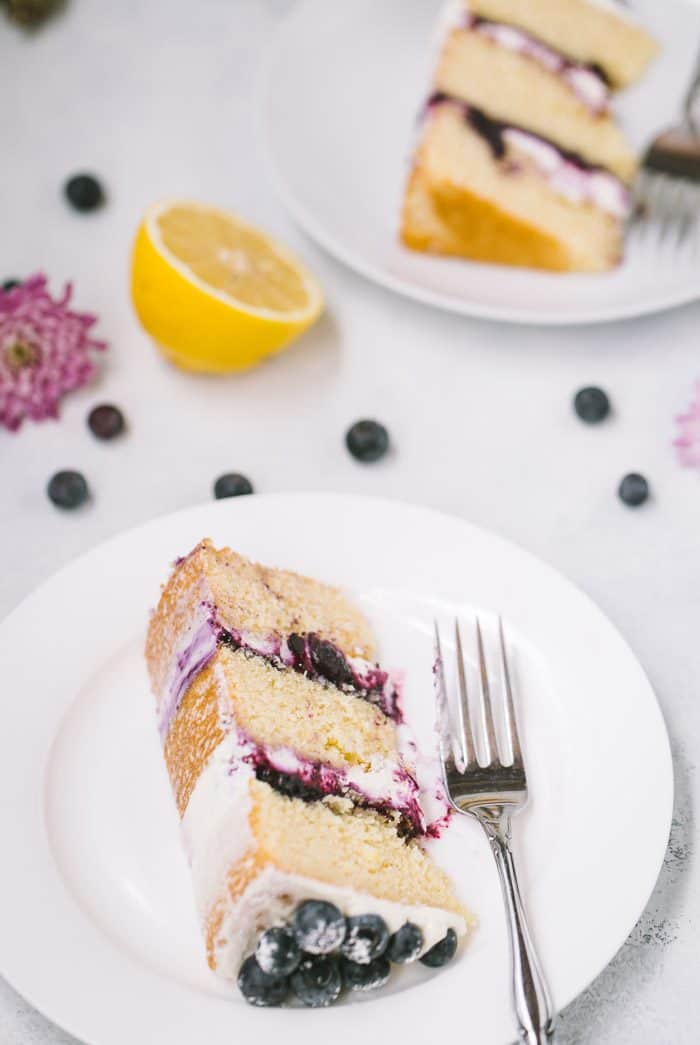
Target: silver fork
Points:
(667, 189)
(493, 793)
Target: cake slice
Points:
(598, 33)
(293, 771)
(520, 160)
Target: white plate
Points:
(344, 86)
(98, 924)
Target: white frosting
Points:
(274, 894)
(577, 184)
(584, 82)
(217, 835)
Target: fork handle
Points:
(691, 102)
(531, 999)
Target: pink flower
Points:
(688, 441)
(44, 351)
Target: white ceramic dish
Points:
(98, 924)
(344, 84)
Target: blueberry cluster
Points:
(321, 953)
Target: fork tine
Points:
(511, 720)
(443, 711)
(466, 733)
(492, 755)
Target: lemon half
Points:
(213, 292)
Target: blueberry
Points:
(258, 988)
(406, 944)
(329, 661)
(10, 284)
(366, 977)
(633, 490)
(592, 405)
(106, 421)
(68, 489)
(319, 927)
(84, 192)
(367, 937)
(317, 982)
(367, 440)
(277, 952)
(232, 485)
(443, 951)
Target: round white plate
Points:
(344, 85)
(98, 923)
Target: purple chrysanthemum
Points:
(688, 441)
(45, 351)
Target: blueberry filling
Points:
(493, 131)
(406, 821)
(322, 660)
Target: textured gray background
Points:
(159, 97)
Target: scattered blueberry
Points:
(84, 192)
(317, 981)
(367, 937)
(406, 944)
(633, 490)
(232, 485)
(10, 284)
(277, 952)
(106, 421)
(592, 405)
(67, 489)
(367, 440)
(443, 951)
(319, 927)
(366, 977)
(258, 988)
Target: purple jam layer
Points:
(588, 82)
(568, 173)
(322, 661)
(392, 791)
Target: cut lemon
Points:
(215, 293)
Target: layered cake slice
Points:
(295, 776)
(520, 159)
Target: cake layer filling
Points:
(310, 655)
(586, 81)
(389, 789)
(567, 173)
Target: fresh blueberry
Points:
(317, 981)
(329, 661)
(277, 952)
(68, 489)
(106, 421)
(443, 951)
(232, 485)
(258, 988)
(406, 944)
(319, 927)
(367, 440)
(592, 405)
(633, 490)
(84, 192)
(366, 977)
(10, 284)
(366, 938)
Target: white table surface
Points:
(158, 97)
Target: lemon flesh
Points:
(214, 293)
